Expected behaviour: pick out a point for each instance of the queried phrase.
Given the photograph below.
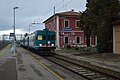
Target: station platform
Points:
(108, 61)
(21, 66)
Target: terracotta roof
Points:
(116, 22)
(68, 13)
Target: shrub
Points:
(68, 46)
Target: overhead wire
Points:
(64, 5)
(50, 10)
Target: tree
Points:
(86, 26)
(87, 23)
(26, 34)
(100, 15)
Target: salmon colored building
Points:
(66, 25)
(116, 37)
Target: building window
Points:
(77, 40)
(66, 40)
(77, 22)
(66, 23)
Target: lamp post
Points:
(14, 28)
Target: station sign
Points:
(12, 34)
(67, 29)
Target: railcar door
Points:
(51, 38)
(28, 42)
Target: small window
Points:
(77, 23)
(53, 37)
(48, 37)
(66, 23)
(23, 41)
(44, 37)
(39, 37)
(32, 38)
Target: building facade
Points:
(68, 32)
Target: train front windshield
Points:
(40, 37)
(44, 37)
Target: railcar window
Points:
(53, 37)
(23, 41)
(33, 38)
(44, 37)
(48, 37)
(39, 37)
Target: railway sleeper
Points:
(72, 69)
(101, 78)
(95, 77)
(82, 72)
(89, 74)
(75, 67)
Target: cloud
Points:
(17, 31)
(29, 11)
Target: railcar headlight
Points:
(40, 44)
(52, 44)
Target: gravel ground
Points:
(104, 56)
(99, 56)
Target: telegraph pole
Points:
(55, 27)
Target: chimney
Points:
(72, 10)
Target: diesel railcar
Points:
(41, 41)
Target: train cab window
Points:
(39, 37)
(53, 37)
(48, 37)
(44, 37)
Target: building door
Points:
(66, 40)
(117, 42)
(77, 40)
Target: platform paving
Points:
(22, 66)
(7, 65)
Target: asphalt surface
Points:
(7, 65)
(22, 66)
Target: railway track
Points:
(87, 71)
(80, 69)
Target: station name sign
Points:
(67, 29)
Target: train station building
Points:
(68, 32)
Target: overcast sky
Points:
(32, 11)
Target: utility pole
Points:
(29, 29)
(54, 19)
(55, 27)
